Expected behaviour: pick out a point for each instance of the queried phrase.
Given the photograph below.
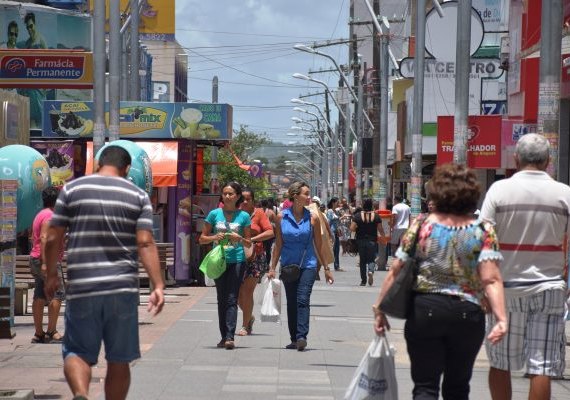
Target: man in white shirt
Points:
(400, 221)
(531, 213)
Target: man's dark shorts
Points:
(36, 269)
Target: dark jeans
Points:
(443, 335)
(267, 244)
(227, 289)
(336, 252)
(298, 295)
(367, 250)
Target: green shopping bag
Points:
(214, 263)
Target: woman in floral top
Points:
(458, 280)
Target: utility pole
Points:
(357, 117)
(114, 68)
(462, 65)
(384, 72)
(135, 87)
(99, 61)
(549, 80)
(335, 161)
(214, 179)
(346, 158)
(328, 144)
(418, 112)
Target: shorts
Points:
(397, 235)
(536, 335)
(36, 270)
(112, 319)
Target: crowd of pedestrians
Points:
(498, 276)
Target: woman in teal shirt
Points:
(233, 224)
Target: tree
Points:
(244, 142)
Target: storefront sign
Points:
(46, 69)
(193, 121)
(483, 143)
(511, 131)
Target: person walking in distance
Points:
(109, 222)
(38, 268)
(298, 241)
(400, 221)
(531, 213)
(233, 224)
(368, 227)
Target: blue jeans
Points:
(227, 289)
(298, 295)
(336, 252)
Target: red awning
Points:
(163, 159)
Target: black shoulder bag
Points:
(397, 301)
(290, 273)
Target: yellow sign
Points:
(157, 21)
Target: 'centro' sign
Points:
(479, 68)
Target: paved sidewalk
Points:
(180, 359)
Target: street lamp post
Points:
(324, 159)
(316, 166)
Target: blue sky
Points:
(248, 44)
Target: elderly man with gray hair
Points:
(530, 212)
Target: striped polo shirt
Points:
(530, 212)
(102, 214)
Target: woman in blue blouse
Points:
(233, 224)
(297, 241)
(458, 280)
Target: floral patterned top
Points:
(448, 256)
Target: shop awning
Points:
(163, 158)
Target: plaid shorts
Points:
(536, 335)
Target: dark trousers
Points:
(367, 250)
(267, 244)
(336, 252)
(298, 295)
(227, 289)
(443, 335)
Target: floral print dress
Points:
(447, 257)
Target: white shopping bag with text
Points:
(375, 377)
(271, 306)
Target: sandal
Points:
(243, 331)
(249, 327)
(39, 338)
(54, 337)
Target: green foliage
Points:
(244, 142)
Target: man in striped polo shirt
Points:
(531, 213)
(109, 221)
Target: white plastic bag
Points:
(271, 306)
(375, 377)
(260, 290)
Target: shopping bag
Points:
(214, 263)
(260, 289)
(375, 377)
(271, 306)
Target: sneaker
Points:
(221, 344)
(362, 283)
(370, 278)
(291, 346)
(339, 269)
(229, 345)
(301, 344)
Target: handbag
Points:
(351, 247)
(397, 301)
(214, 263)
(375, 377)
(291, 272)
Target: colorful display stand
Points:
(8, 222)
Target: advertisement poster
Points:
(31, 27)
(195, 121)
(59, 156)
(511, 131)
(8, 196)
(183, 227)
(483, 143)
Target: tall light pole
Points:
(310, 50)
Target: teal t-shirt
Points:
(240, 220)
